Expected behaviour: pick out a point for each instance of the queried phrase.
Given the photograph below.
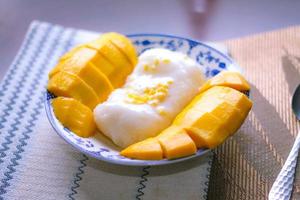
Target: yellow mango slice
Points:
(95, 58)
(229, 79)
(69, 85)
(70, 53)
(124, 45)
(55, 70)
(185, 113)
(64, 57)
(229, 115)
(78, 56)
(176, 143)
(89, 74)
(148, 149)
(237, 99)
(240, 101)
(227, 104)
(74, 115)
(83, 55)
(113, 54)
(207, 131)
(203, 102)
(61, 105)
(94, 78)
(108, 50)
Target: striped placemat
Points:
(36, 164)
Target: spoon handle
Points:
(283, 185)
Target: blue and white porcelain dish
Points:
(100, 147)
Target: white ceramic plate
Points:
(102, 148)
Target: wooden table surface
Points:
(222, 19)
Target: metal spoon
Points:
(283, 185)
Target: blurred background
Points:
(207, 20)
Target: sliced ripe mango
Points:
(148, 149)
(227, 104)
(196, 108)
(74, 115)
(70, 53)
(61, 105)
(112, 54)
(92, 56)
(229, 115)
(207, 139)
(229, 79)
(214, 115)
(124, 44)
(122, 65)
(239, 100)
(69, 85)
(67, 56)
(89, 74)
(176, 143)
(64, 57)
(79, 56)
(207, 131)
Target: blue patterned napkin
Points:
(36, 164)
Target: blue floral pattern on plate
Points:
(99, 146)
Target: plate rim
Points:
(135, 162)
(180, 37)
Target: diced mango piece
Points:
(229, 79)
(176, 143)
(108, 50)
(69, 85)
(74, 115)
(148, 149)
(124, 44)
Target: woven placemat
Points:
(246, 165)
